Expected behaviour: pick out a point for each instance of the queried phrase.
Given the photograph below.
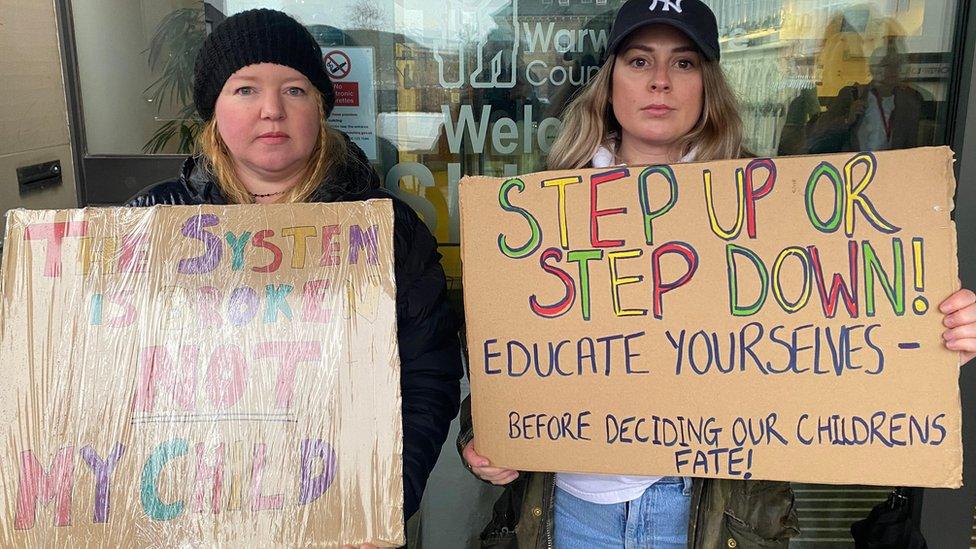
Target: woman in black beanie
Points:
(261, 88)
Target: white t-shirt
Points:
(872, 134)
(607, 489)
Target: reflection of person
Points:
(264, 94)
(580, 62)
(883, 114)
(660, 97)
(841, 53)
(803, 108)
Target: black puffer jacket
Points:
(430, 357)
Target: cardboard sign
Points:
(201, 376)
(754, 318)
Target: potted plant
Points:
(172, 52)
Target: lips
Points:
(657, 108)
(273, 137)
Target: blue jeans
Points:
(658, 519)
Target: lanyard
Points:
(886, 120)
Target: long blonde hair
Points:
(329, 152)
(589, 119)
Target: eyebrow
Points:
(679, 49)
(255, 79)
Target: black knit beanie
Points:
(251, 37)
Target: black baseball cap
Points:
(691, 17)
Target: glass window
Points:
(432, 90)
(476, 87)
(135, 61)
(818, 76)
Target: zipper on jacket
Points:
(550, 516)
(699, 508)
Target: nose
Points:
(272, 107)
(660, 80)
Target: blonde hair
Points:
(329, 152)
(589, 119)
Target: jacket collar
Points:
(198, 182)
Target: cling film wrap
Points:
(201, 376)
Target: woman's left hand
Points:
(960, 319)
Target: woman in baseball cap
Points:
(660, 95)
(659, 98)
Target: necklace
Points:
(266, 195)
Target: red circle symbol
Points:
(338, 64)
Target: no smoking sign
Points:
(353, 81)
(338, 64)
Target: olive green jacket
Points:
(729, 514)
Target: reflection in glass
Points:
(135, 62)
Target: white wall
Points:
(33, 111)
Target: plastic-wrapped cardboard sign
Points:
(201, 376)
(755, 318)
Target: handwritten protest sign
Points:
(754, 318)
(200, 376)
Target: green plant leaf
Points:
(171, 54)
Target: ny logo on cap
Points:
(666, 5)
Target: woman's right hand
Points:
(482, 468)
